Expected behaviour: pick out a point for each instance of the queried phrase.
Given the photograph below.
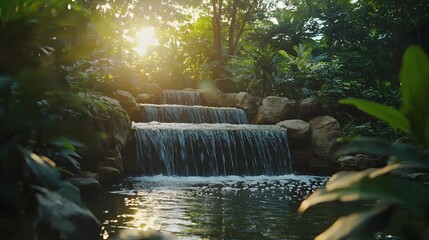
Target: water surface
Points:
(232, 207)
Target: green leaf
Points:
(284, 53)
(67, 143)
(6, 7)
(387, 114)
(357, 225)
(372, 184)
(409, 155)
(414, 89)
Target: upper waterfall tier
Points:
(180, 149)
(191, 114)
(181, 97)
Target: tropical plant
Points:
(306, 75)
(255, 70)
(400, 189)
(37, 113)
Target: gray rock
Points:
(124, 96)
(88, 174)
(109, 175)
(230, 100)
(189, 89)
(326, 130)
(111, 121)
(114, 159)
(276, 109)
(317, 157)
(145, 98)
(151, 89)
(299, 132)
(310, 108)
(89, 187)
(249, 103)
(212, 97)
(111, 101)
(360, 162)
(63, 218)
(127, 101)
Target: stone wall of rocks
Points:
(312, 134)
(102, 161)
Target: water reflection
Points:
(219, 207)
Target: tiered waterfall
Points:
(194, 140)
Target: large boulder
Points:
(110, 101)
(89, 187)
(60, 218)
(109, 175)
(151, 89)
(125, 98)
(310, 108)
(276, 109)
(317, 157)
(212, 97)
(113, 159)
(145, 98)
(298, 131)
(249, 103)
(127, 101)
(112, 124)
(230, 100)
(360, 162)
(326, 130)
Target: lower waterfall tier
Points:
(180, 149)
(192, 114)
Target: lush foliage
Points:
(400, 187)
(38, 120)
(51, 51)
(361, 43)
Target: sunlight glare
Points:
(144, 39)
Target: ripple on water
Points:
(233, 207)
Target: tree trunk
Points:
(216, 21)
(231, 33)
(244, 22)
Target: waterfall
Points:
(183, 149)
(192, 114)
(181, 97)
(182, 138)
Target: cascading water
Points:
(211, 149)
(179, 140)
(192, 114)
(181, 97)
(198, 178)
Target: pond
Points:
(231, 207)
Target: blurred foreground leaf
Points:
(357, 225)
(391, 116)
